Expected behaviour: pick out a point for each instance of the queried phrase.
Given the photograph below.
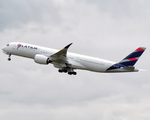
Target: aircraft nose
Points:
(3, 49)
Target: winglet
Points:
(68, 46)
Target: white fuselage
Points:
(76, 60)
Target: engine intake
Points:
(41, 59)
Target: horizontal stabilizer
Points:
(142, 70)
(123, 69)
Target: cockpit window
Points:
(7, 44)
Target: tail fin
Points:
(130, 60)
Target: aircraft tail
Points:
(130, 60)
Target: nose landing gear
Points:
(9, 59)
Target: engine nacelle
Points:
(41, 59)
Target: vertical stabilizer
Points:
(130, 60)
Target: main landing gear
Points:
(9, 57)
(69, 70)
(72, 73)
(62, 70)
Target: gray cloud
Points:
(15, 13)
(120, 9)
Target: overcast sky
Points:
(100, 28)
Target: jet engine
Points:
(41, 59)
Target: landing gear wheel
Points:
(9, 59)
(60, 71)
(72, 73)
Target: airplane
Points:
(67, 62)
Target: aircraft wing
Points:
(60, 56)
